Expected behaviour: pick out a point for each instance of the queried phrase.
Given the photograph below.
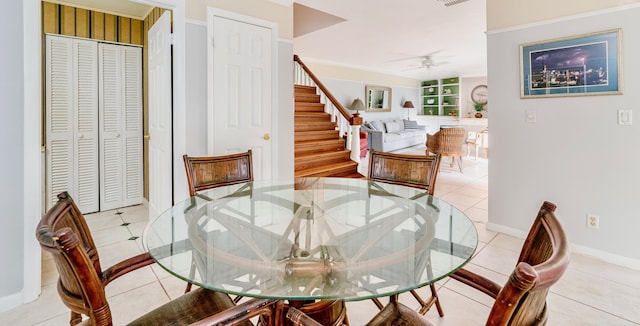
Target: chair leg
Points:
(459, 158)
(426, 305)
(76, 318)
(378, 303)
(192, 274)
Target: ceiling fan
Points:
(427, 62)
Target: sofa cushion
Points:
(394, 126)
(376, 125)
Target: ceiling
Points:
(392, 36)
(378, 35)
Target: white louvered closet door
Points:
(120, 70)
(72, 121)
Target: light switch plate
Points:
(624, 117)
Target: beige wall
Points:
(509, 13)
(282, 15)
(370, 77)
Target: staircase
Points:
(319, 149)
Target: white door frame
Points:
(33, 157)
(274, 81)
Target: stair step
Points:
(303, 89)
(318, 146)
(310, 160)
(309, 107)
(304, 97)
(355, 175)
(316, 126)
(315, 135)
(347, 167)
(312, 117)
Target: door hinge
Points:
(172, 38)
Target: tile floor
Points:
(591, 292)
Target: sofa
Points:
(391, 135)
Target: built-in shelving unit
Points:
(441, 97)
(430, 97)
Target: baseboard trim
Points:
(579, 249)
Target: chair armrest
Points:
(243, 311)
(126, 266)
(477, 282)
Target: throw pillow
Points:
(410, 124)
(394, 126)
(377, 125)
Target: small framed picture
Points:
(589, 64)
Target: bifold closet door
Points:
(72, 121)
(120, 75)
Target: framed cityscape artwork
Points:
(589, 64)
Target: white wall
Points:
(346, 91)
(575, 155)
(20, 189)
(11, 145)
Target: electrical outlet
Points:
(593, 221)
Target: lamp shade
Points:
(408, 105)
(357, 105)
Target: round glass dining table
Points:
(312, 239)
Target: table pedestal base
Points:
(326, 312)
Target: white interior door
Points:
(160, 162)
(240, 101)
(120, 70)
(72, 121)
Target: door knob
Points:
(266, 136)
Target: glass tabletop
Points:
(317, 238)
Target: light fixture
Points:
(450, 2)
(357, 105)
(408, 105)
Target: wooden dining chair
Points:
(209, 172)
(418, 171)
(64, 233)
(544, 257)
(522, 300)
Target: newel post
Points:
(353, 137)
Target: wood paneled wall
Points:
(71, 21)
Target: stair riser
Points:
(302, 106)
(307, 98)
(311, 148)
(316, 136)
(320, 118)
(308, 163)
(314, 127)
(333, 172)
(299, 89)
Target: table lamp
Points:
(357, 105)
(408, 105)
